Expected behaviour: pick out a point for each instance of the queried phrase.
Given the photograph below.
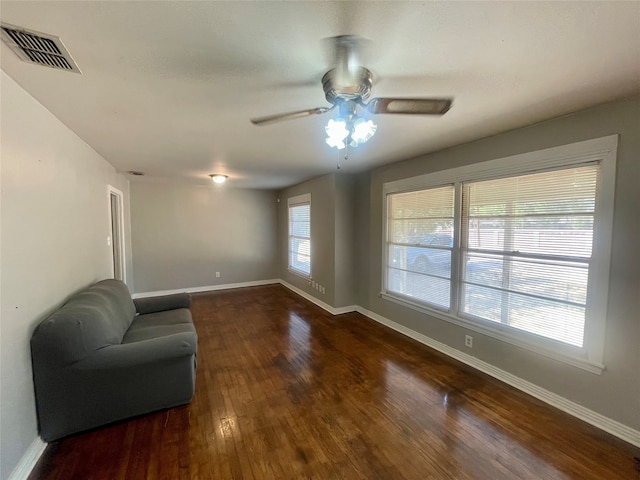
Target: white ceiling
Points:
(168, 88)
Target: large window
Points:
(300, 234)
(517, 248)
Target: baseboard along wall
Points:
(28, 461)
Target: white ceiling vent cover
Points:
(38, 48)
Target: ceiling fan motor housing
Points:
(360, 89)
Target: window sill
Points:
(298, 273)
(500, 334)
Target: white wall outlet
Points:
(468, 341)
(323, 290)
(217, 274)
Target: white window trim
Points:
(604, 150)
(304, 199)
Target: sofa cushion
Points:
(170, 317)
(149, 333)
(94, 318)
(118, 300)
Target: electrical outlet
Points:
(217, 274)
(468, 341)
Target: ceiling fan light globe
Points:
(337, 129)
(363, 130)
(335, 143)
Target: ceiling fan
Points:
(348, 86)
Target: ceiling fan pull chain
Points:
(346, 155)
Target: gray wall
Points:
(362, 266)
(615, 393)
(345, 232)
(54, 227)
(333, 210)
(183, 234)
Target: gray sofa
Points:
(104, 357)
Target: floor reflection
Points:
(455, 425)
(298, 333)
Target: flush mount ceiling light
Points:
(217, 178)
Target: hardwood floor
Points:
(285, 390)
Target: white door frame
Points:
(117, 242)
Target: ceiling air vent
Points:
(38, 48)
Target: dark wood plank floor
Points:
(285, 390)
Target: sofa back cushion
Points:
(96, 317)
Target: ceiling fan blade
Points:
(416, 106)
(289, 116)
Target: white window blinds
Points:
(526, 250)
(300, 237)
(420, 240)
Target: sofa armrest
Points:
(162, 303)
(128, 355)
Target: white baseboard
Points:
(613, 427)
(207, 288)
(318, 302)
(28, 461)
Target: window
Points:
(420, 243)
(527, 248)
(507, 247)
(300, 234)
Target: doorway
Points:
(116, 216)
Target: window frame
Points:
(601, 150)
(300, 200)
